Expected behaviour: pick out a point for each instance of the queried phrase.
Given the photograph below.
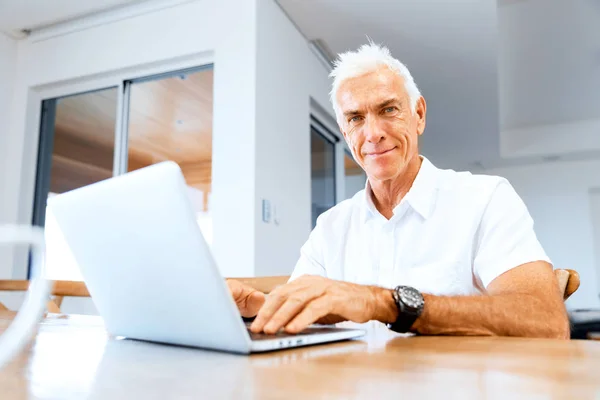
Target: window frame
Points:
(40, 157)
(327, 126)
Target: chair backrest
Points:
(568, 281)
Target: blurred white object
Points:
(202, 209)
(25, 323)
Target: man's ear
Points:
(421, 111)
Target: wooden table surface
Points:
(75, 359)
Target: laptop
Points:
(149, 270)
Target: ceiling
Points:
(483, 66)
(549, 62)
(172, 118)
(18, 15)
(448, 46)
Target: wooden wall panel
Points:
(78, 148)
(68, 174)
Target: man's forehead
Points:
(369, 89)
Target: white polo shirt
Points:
(452, 234)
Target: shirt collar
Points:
(421, 197)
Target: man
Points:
(424, 250)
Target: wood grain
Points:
(170, 119)
(68, 174)
(381, 365)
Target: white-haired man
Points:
(424, 250)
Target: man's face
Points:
(378, 123)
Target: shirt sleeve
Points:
(506, 238)
(311, 260)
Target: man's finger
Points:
(254, 302)
(272, 304)
(288, 310)
(304, 288)
(315, 310)
(238, 290)
(247, 299)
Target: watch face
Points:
(411, 297)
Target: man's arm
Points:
(524, 301)
(522, 295)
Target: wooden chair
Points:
(60, 290)
(63, 289)
(568, 281)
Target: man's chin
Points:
(383, 173)
(383, 177)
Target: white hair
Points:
(369, 57)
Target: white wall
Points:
(558, 198)
(595, 218)
(132, 46)
(8, 58)
(288, 75)
(265, 77)
(354, 184)
(548, 99)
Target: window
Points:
(171, 119)
(335, 175)
(166, 117)
(354, 176)
(323, 182)
(77, 145)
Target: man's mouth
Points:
(380, 152)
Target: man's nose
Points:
(373, 130)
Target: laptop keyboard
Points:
(282, 334)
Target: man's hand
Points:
(248, 299)
(311, 299)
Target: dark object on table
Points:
(584, 322)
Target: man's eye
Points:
(390, 109)
(356, 118)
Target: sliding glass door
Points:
(335, 175)
(76, 148)
(355, 178)
(170, 118)
(92, 136)
(323, 187)
(77, 144)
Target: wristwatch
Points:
(410, 303)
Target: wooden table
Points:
(74, 359)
